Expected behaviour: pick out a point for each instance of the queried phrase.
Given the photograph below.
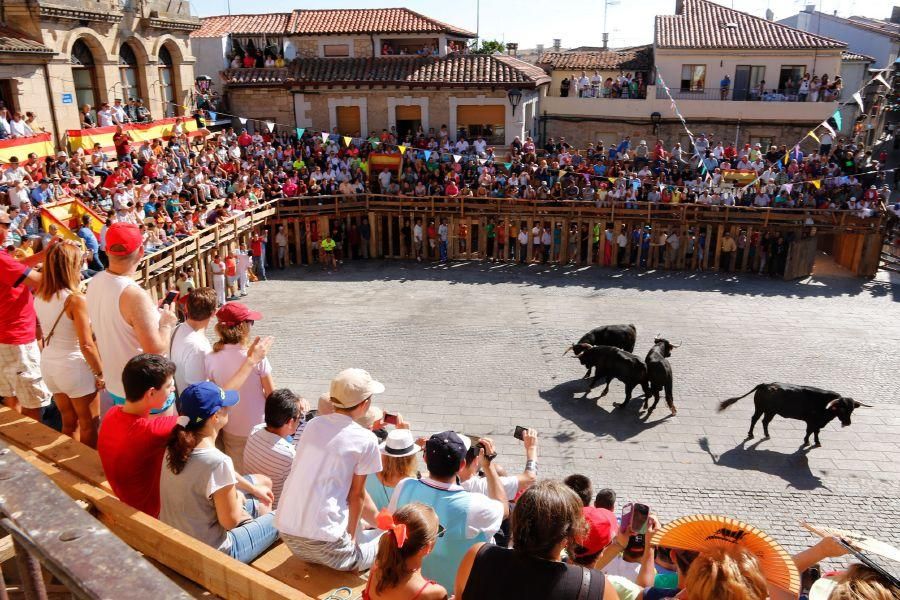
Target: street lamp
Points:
(515, 96)
(655, 118)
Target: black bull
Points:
(617, 336)
(613, 363)
(815, 406)
(659, 373)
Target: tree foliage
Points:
(489, 47)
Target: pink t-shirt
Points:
(250, 411)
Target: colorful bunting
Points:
(402, 149)
(270, 125)
(456, 157)
(325, 137)
(508, 165)
(213, 115)
(858, 97)
(243, 120)
(829, 128)
(838, 119)
(817, 183)
(881, 78)
(813, 135)
(427, 154)
(347, 140)
(300, 131)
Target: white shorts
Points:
(20, 375)
(69, 375)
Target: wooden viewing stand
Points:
(854, 242)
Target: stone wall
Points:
(307, 48)
(263, 104)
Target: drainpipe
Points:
(56, 129)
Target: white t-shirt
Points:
(189, 350)
(271, 455)
(332, 449)
(479, 485)
(417, 232)
(623, 569)
(250, 411)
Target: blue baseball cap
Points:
(200, 401)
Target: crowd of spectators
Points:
(240, 462)
(625, 85)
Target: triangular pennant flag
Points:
(456, 157)
(881, 78)
(375, 144)
(427, 154)
(213, 115)
(347, 140)
(402, 149)
(662, 186)
(270, 125)
(817, 183)
(507, 165)
(838, 119)
(482, 161)
(858, 97)
(300, 131)
(325, 136)
(829, 128)
(186, 107)
(813, 135)
(243, 120)
(788, 187)
(612, 179)
(787, 157)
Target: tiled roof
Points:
(270, 23)
(629, 59)
(367, 20)
(474, 70)
(848, 56)
(705, 24)
(15, 41)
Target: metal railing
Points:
(52, 532)
(741, 95)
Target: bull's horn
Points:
(858, 404)
(678, 345)
(569, 349)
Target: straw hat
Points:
(702, 533)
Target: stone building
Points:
(357, 71)
(57, 56)
(693, 52)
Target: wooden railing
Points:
(157, 270)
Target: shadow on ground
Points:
(597, 415)
(593, 277)
(793, 468)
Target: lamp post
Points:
(514, 96)
(655, 118)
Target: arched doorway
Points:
(167, 83)
(128, 74)
(84, 74)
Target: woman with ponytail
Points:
(410, 535)
(200, 492)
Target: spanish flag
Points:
(140, 132)
(41, 144)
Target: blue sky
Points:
(531, 22)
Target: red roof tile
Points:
(271, 23)
(705, 24)
(17, 42)
(639, 58)
(368, 20)
(455, 70)
(856, 57)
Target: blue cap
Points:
(200, 401)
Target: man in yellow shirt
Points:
(728, 249)
(328, 245)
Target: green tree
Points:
(489, 47)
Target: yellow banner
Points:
(20, 148)
(139, 132)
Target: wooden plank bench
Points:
(76, 469)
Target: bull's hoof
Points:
(619, 404)
(750, 436)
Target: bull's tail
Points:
(726, 403)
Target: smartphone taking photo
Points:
(170, 297)
(635, 517)
(389, 419)
(519, 433)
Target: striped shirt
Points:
(269, 454)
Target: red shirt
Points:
(16, 303)
(122, 142)
(131, 449)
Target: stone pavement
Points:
(477, 347)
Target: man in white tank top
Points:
(125, 320)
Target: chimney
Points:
(539, 49)
(679, 7)
(770, 16)
(810, 8)
(895, 15)
(605, 40)
(557, 44)
(512, 48)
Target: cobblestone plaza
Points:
(478, 347)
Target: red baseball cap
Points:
(602, 526)
(123, 238)
(235, 313)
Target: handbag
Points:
(46, 340)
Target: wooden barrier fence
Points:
(855, 246)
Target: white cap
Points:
(353, 386)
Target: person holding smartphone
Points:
(513, 484)
(628, 554)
